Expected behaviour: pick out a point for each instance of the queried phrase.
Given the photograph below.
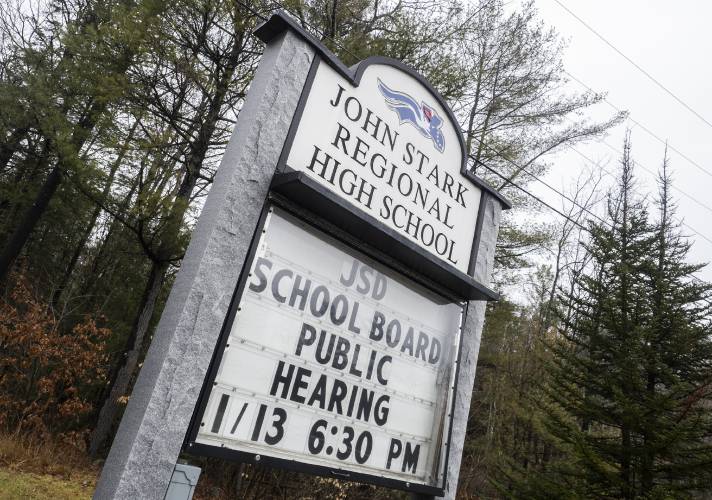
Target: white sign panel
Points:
(336, 361)
(388, 147)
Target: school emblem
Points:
(424, 118)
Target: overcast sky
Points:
(672, 42)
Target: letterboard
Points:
(334, 360)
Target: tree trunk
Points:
(35, 162)
(122, 376)
(10, 146)
(475, 106)
(19, 237)
(626, 483)
(32, 216)
(56, 296)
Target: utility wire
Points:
(615, 150)
(253, 11)
(588, 230)
(521, 188)
(646, 129)
(638, 67)
(499, 153)
(563, 195)
(531, 195)
(521, 168)
(614, 176)
(650, 171)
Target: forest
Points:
(594, 378)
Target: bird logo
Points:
(423, 117)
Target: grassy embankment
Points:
(35, 470)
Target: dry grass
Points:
(35, 464)
(16, 485)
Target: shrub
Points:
(47, 373)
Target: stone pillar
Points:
(154, 425)
(471, 334)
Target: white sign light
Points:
(335, 360)
(388, 147)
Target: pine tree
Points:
(630, 384)
(677, 443)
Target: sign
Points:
(390, 148)
(325, 361)
(334, 360)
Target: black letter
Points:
(380, 413)
(354, 361)
(339, 316)
(377, 324)
(352, 275)
(338, 393)
(279, 378)
(379, 287)
(282, 273)
(341, 139)
(300, 293)
(379, 370)
(364, 405)
(422, 345)
(318, 310)
(394, 451)
(409, 150)
(410, 458)
(262, 283)
(320, 356)
(435, 349)
(338, 97)
(300, 384)
(340, 359)
(305, 339)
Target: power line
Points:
(646, 129)
(564, 196)
(650, 77)
(481, 163)
(531, 195)
(499, 153)
(260, 16)
(525, 191)
(615, 150)
(682, 192)
(614, 176)
(535, 177)
(339, 44)
(521, 168)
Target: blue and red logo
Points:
(424, 118)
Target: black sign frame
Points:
(190, 445)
